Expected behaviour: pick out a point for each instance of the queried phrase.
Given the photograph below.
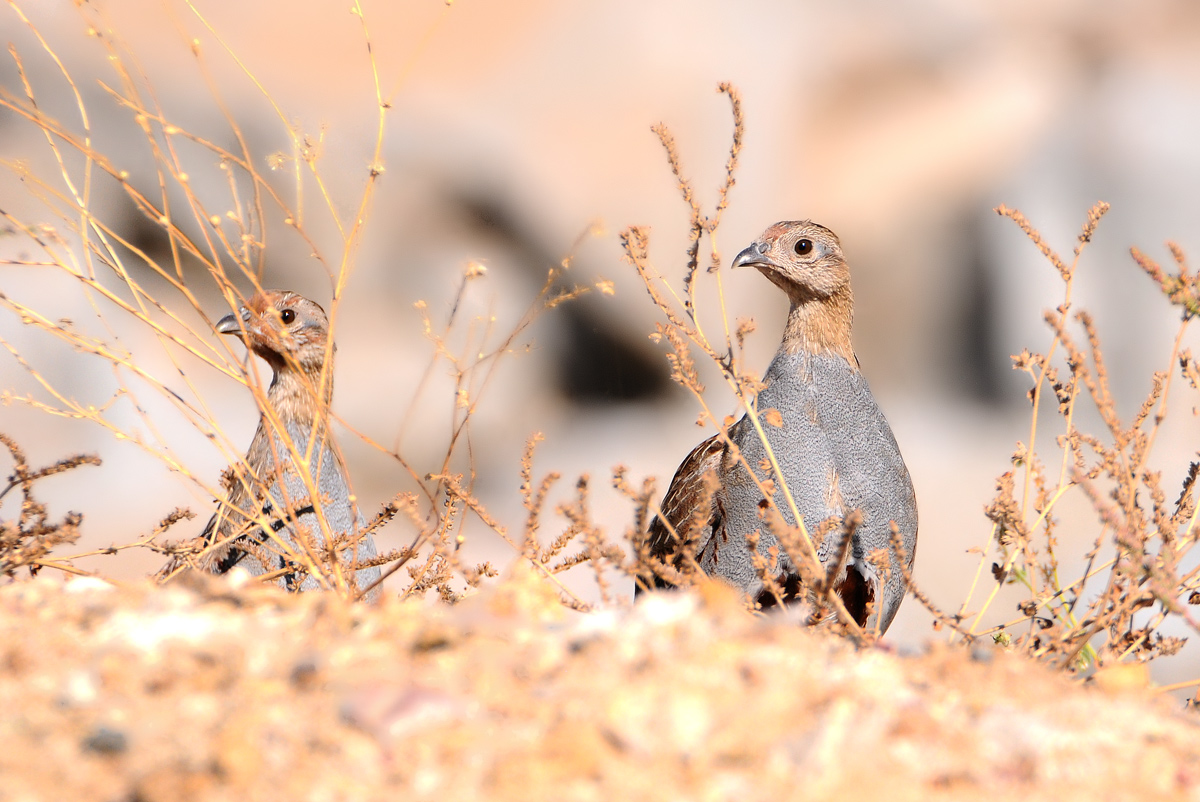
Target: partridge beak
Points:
(229, 324)
(752, 257)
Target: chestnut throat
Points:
(292, 395)
(820, 324)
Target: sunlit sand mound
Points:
(208, 690)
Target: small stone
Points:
(305, 674)
(106, 741)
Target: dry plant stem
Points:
(962, 609)
(456, 491)
(711, 225)
(423, 46)
(594, 546)
(175, 517)
(27, 540)
(1068, 275)
(533, 504)
(473, 368)
(942, 618)
(1178, 686)
(80, 199)
(1076, 585)
(482, 357)
(407, 503)
(305, 154)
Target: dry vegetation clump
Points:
(27, 539)
(1140, 570)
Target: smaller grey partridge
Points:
(834, 447)
(290, 333)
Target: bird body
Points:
(287, 492)
(290, 333)
(835, 451)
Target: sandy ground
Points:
(215, 690)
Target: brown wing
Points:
(217, 557)
(689, 509)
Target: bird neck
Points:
(293, 396)
(820, 324)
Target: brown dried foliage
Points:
(27, 539)
(1135, 574)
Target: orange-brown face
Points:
(283, 328)
(800, 257)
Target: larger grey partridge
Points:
(833, 445)
(290, 333)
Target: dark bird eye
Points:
(287, 316)
(804, 247)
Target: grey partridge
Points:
(833, 445)
(290, 333)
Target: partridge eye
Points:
(287, 316)
(804, 247)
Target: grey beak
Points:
(752, 256)
(229, 324)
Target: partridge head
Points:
(291, 334)
(805, 260)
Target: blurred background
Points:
(517, 127)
